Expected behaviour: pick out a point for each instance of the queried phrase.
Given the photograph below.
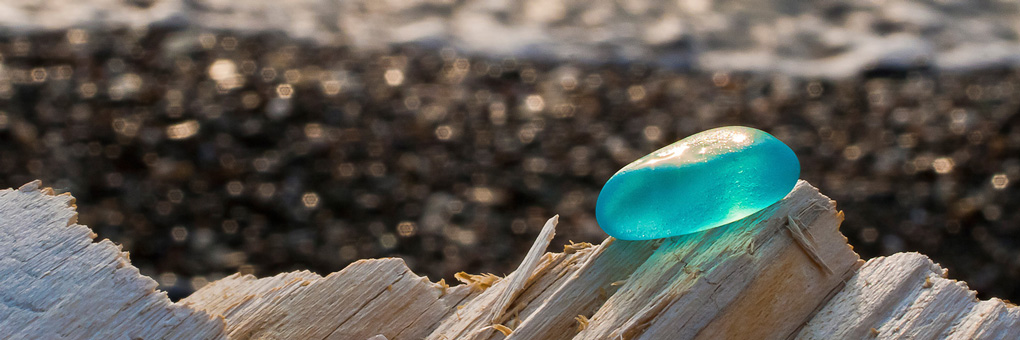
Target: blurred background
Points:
(210, 137)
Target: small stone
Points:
(701, 182)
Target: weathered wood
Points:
(906, 296)
(785, 272)
(585, 290)
(520, 276)
(472, 322)
(56, 283)
(369, 297)
(745, 280)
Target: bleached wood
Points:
(785, 272)
(808, 245)
(235, 293)
(585, 290)
(564, 286)
(368, 298)
(906, 296)
(711, 275)
(472, 320)
(746, 280)
(524, 271)
(989, 319)
(56, 283)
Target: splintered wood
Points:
(906, 296)
(56, 283)
(785, 272)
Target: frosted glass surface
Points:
(701, 182)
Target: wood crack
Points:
(737, 281)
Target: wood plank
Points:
(57, 283)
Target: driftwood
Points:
(785, 272)
(55, 283)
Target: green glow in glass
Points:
(701, 182)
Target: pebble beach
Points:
(210, 150)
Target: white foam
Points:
(810, 37)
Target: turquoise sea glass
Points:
(701, 182)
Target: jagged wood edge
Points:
(582, 280)
(906, 295)
(524, 271)
(56, 282)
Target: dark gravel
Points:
(205, 153)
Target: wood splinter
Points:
(503, 329)
(706, 283)
(805, 244)
(582, 322)
(519, 277)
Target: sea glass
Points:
(706, 180)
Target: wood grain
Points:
(55, 282)
(784, 272)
